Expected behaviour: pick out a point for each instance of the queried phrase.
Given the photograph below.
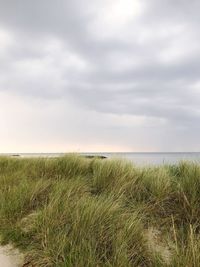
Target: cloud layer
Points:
(99, 75)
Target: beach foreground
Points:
(76, 211)
(10, 257)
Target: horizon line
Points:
(92, 152)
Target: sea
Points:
(139, 158)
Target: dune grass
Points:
(75, 211)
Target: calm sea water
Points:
(141, 158)
(149, 158)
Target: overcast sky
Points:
(106, 75)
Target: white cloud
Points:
(6, 39)
(111, 18)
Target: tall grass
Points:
(73, 211)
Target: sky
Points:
(106, 75)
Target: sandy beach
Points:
(10, 257)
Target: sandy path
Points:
(10, 257)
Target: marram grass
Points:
(78, 212)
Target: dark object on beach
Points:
(15, 155)
(95, 156)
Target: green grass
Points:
(76, 211)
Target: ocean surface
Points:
(140, 158)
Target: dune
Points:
(74, 211)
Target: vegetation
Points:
(75, 211)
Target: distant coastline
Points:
(140, 158)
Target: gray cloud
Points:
(132, 66)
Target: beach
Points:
(10, 257)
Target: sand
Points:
(10, 257)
